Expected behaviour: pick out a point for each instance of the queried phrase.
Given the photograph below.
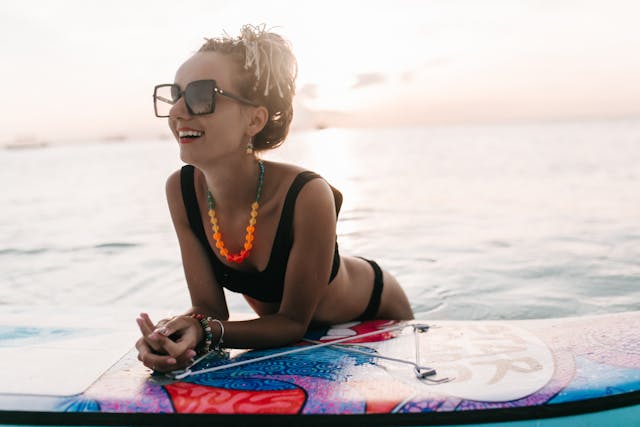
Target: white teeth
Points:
(189, 133)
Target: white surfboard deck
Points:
(56, 352)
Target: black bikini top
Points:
(267, 285)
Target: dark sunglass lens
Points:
(175, 93)
(199, 96)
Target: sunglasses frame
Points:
(181, 93)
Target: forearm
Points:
(206, 311)
(265, 332)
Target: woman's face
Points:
(214, 135)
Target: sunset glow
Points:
(361, 63)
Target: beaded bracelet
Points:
(208, 335)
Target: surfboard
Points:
(546, 372)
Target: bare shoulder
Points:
(279, 177)
(315, 207)
(315, 197)
(173, 181)
(282, 172)
(173, 190)
(173, 187)
(316, 193)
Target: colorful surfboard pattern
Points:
(489, 364)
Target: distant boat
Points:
(115, 138)
(28, 142)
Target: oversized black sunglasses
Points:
(199, 96)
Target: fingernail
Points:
(172, 361)
(191, 353)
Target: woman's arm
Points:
(207, 296)
(155, 350)
(306, 279)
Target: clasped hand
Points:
(169, 345)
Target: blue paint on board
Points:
(18, 336)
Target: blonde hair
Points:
(267, 74)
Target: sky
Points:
(85, 69)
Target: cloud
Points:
(368, 79)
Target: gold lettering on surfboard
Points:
(488, 361)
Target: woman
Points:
(261, 228)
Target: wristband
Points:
(208, 335)
(220, 341)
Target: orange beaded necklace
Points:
(251, 228)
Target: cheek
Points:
(172, 126)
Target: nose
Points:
(179, 110)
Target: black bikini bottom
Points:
(374, 302)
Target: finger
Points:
(185, 360)
(177, 337)
(165, 345)
(143, 327)
(173, 325)
(190, 335)
(142, 347)
(147, 321)
(146, 353)
(154, 344)
(159, 363)
(163, 363)
(164, 321)
(182, 326)
(145, 346)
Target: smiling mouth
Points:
(186, 136)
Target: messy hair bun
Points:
(267, 74)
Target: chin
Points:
(192, 155)
(186, 155)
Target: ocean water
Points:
(477, 222)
